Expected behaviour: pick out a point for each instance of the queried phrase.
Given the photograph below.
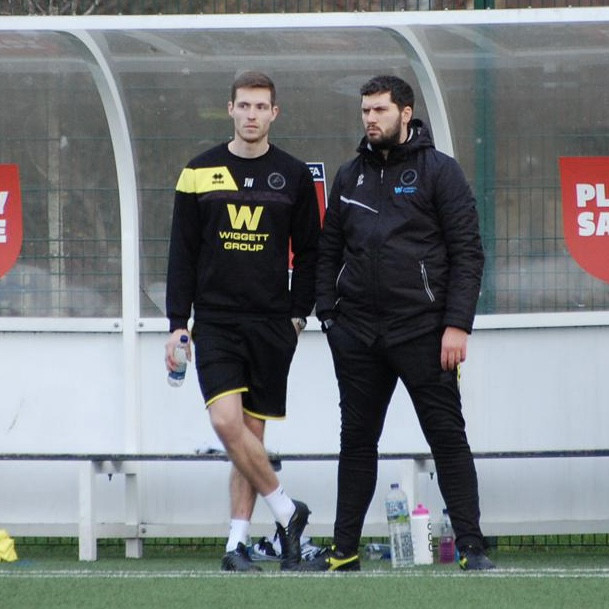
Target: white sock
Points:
(238, 532)
(281, 506)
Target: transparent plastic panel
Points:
(177, 85)
(520, 97)
(53, 127)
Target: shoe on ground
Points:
(265, 550)
(289, 537)
(330, 559)
(238, 560)
(308, 551)
(474, 559)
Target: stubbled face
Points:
(252, 113)
(385, 125)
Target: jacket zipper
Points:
(376, 292)
(432, 298)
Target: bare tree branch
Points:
(93, 7)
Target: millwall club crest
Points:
(585, 212)
(11, 218)
(408, 177)
(276, 181)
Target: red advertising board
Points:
(11, 218)
(319, 178)
(585, 212)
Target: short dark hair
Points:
(253, 80)
(402, 94)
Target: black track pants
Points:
(367, 377)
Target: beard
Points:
(387, 140)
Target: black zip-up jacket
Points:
(400, 253)
(234, 219)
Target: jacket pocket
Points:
(353, 281)
(340, 274)
(426, 285)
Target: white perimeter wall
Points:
(533, 388)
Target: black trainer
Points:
(330, 559)
(289, 537)
(474, 559)
(238, 560)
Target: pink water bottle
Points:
(446, 546)
(421, 535)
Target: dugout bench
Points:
(110, 464)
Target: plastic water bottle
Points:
(446, 546)
(398, 519)
(176, 377)
(377, 551)
(421, 535)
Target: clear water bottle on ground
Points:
(398, 519)
(446, 545)
(421, 535)
(377, 551)
(176, 377)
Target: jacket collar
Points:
(418, 138)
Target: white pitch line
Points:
(544, 573)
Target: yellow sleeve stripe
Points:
(205, 179)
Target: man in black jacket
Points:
(237, 208)
(398, 277)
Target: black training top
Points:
(234, 220)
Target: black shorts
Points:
(248, 357)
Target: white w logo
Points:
(244, 216)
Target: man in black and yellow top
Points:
(238, 209)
